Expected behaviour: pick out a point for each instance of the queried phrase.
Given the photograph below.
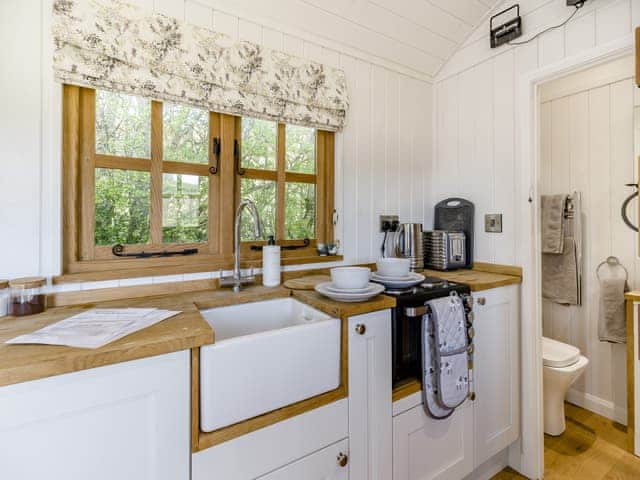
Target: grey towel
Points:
(612, 322)
(560, 282)
(552, 207)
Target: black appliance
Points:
(457, 215)
(406, 326)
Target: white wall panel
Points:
(596, 23)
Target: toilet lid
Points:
(557, 354)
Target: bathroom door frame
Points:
(527, 455)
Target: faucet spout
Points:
(257, 230)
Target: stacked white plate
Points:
(349, 294)
(405, 281)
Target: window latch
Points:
(118, 251)
(236, 158)
(305, 243)
(213, 170)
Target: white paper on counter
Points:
(96, 327)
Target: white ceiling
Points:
(417, 35)
(420, 34)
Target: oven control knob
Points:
(482, 300)
(360, 329)
(471, 332)
(470, 317)
(470, 348)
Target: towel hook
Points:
(612, 262)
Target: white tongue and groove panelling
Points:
(586, 129)
(477, 147)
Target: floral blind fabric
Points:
(116, 46)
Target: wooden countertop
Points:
(21, 363)
(481, 277)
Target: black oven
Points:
(407, 325)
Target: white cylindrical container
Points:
(271, 264)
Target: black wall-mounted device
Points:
(575, 3)
(507, 31)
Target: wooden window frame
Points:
(83, 260)
(323, 179)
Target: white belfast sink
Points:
(266, 355)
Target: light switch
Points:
(493, 222)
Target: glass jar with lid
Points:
(27, 296)
(4, 297)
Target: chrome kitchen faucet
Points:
(236, 279)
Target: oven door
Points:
(407, 344)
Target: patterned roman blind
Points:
(116, 46)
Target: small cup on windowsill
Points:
(332, 248)
(322, 249)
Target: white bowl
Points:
(393, 267)
(350, 277)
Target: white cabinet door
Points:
(330, 463)
(370, 423)
(126, 421)
(428, 449)
(496, 370)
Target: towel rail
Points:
(612, 262)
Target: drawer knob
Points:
(360, 329)
(343, 459)
(482, 300)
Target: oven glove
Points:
(430, 402)
(451, 359)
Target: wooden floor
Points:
(592, 448)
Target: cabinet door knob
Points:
(343, 459)
(482, 300)
(360, 329)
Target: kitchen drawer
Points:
(330, 463)
(269, 449)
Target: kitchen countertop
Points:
(21, 363)
(477, 279)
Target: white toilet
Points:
(562, 365)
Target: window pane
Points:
(184, 208)
(301, 149)
(122, 206)
(185, 134)
(300, 211)
(123, 125)
(259, 142)
(263, 194)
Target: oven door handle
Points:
(416, 311)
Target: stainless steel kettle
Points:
(408, 244)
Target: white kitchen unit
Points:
(370, 416)
(125, 421)
(278, 447)
(429, 449)
(450, 449)
(497, 370)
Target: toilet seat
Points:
(557, 354)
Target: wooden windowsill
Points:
(138, 269)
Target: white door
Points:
(370, 423)
(126, 421)
(330, 463)
(429, 449)
(496, 370)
